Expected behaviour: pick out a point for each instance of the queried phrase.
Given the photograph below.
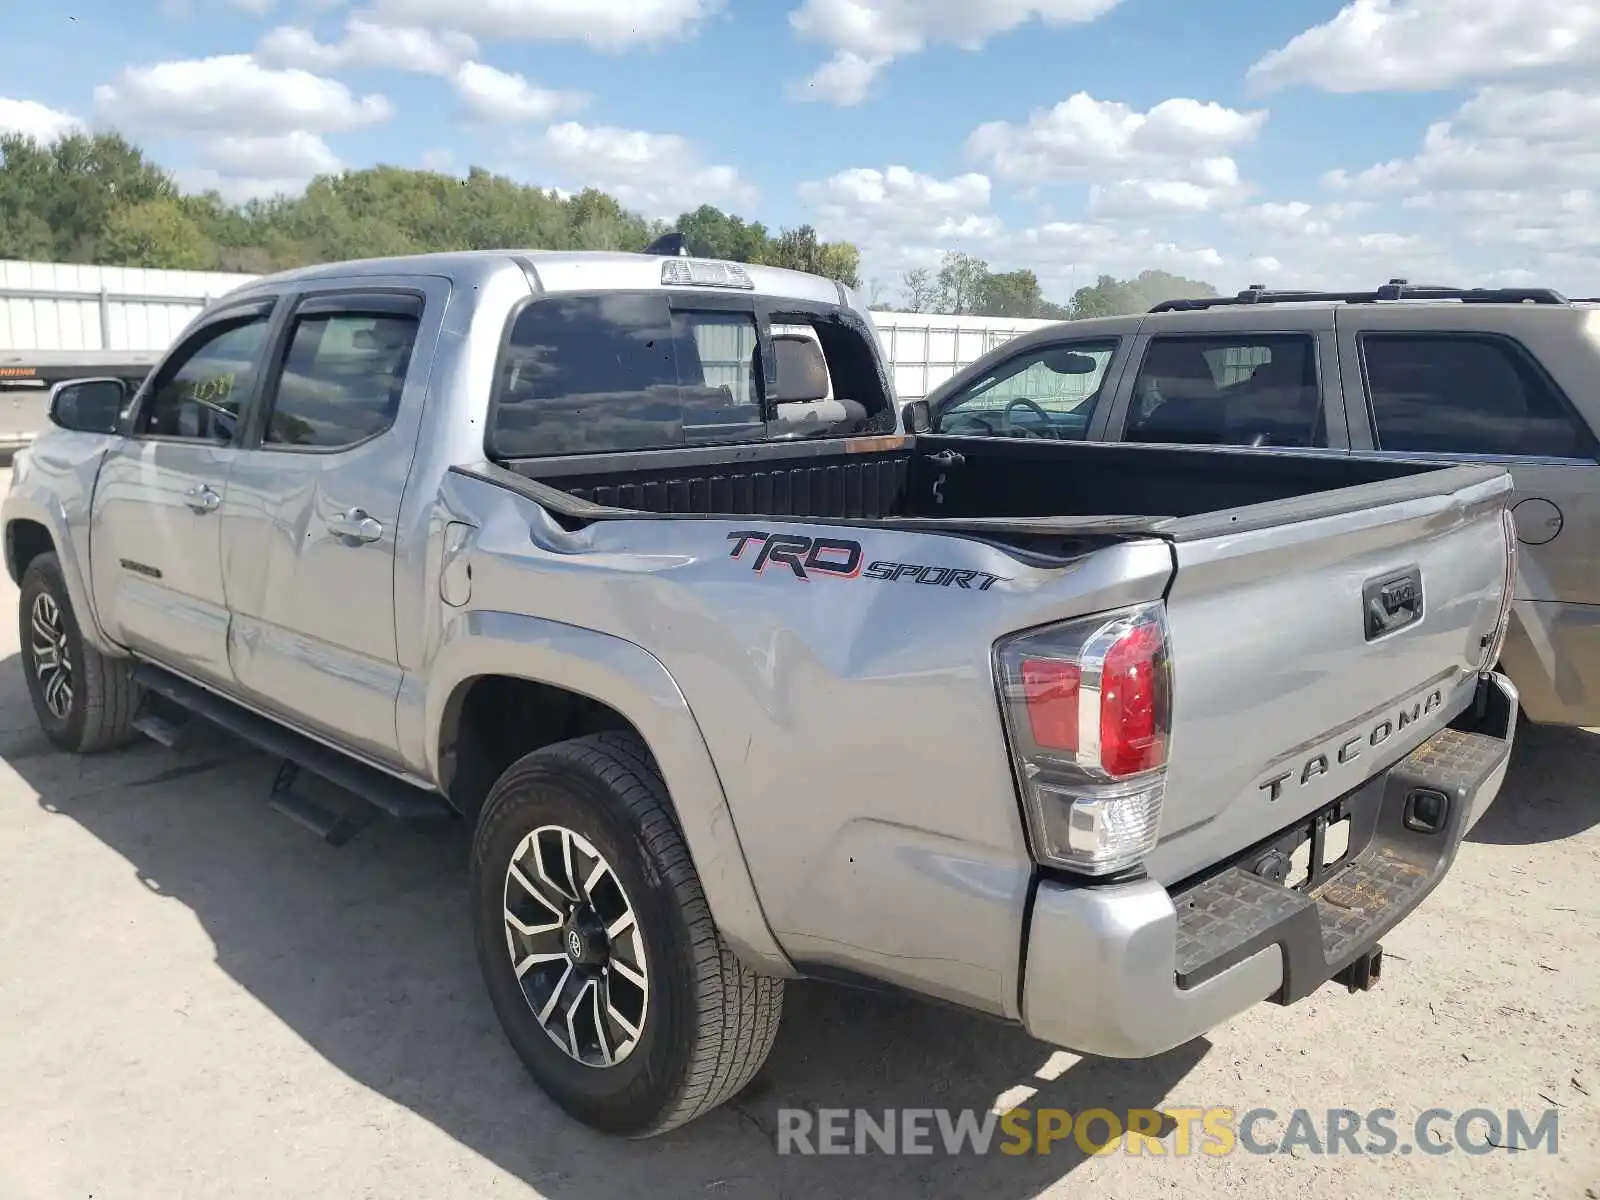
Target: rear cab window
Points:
(637, 371)
(1467, 393)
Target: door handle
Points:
(356, 526)
(202, 499)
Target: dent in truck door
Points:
(313, 510)
(1455, 386)
(155, 557)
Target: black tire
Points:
(104, 698)
(709, 1021)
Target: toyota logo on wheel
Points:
(574, 944)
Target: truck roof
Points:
(557, 271)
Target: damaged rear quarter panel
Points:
(843, 685)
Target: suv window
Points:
(1465, 394)
(342, 379)
(198, 394)
(1048, 391)
(587, 374)
(1229, 390)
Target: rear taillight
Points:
(1502, 627)
(1088, 706)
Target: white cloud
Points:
(368, 44)
(1292, 218)
(610, 25)
(35, 120)
(1088, 249)
(1511, 173)
(178, 10)
(234, 94)
(867, 35)
(246, 168)
(659, 174)
(845, 79)
(1423, 45)
(1501, 139)
(1214, 183)
(488, 94)
(1085, 138)
(297, 155)
(901, 218)
(235, 189)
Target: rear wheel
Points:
(85, 701)
(597, 947)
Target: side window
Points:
(342, 378)
(589, 374)
(1048, 391)
(1465, 394)
(198, 395)
(1229, 390)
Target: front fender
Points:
(55, 491)
(631, 680)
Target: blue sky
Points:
(1293, 142)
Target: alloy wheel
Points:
(576, 946)
(51, 662)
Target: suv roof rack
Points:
(1395, 289)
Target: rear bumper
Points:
(1132, 970)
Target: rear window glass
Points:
(1461, 393)
(589, 374)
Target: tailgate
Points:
(1316, 642)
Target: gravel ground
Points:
(199, 999)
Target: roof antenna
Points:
(670, 245)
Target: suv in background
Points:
(1505, 375)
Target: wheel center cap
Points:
(584, 941)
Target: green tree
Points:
(963, 283)
(801, 250)
(1110, 297)
(74, 185)
(708, 232)
(24, 235)
(97, 198)
(920, 290)
(156, 233)
(1011, 294)
(841, 261)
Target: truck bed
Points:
(1272, 567)
(1016, 490)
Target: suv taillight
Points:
(1088, 707)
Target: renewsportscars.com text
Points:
(1171, 1132)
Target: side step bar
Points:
(379, 789)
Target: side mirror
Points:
(916, 416)
(88, 405)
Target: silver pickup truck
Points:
(633, 562)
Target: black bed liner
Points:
(1011, 489)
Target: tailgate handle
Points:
(1392, 602)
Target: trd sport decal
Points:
(841, 559)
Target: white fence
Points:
(60, 309)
